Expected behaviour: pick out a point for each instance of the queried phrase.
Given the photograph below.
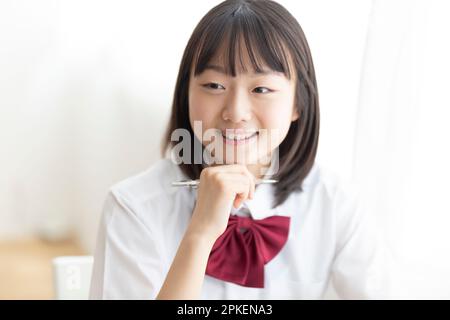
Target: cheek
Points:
(276, 128)
(277, 117)
(200, 110)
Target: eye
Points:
(213, 85)
(262, 90)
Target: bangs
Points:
(231, 37)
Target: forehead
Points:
(234, 58)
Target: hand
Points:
(220, 188)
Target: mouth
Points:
(239, 137)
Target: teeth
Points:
(232, 136)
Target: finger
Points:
(252, 182)
(240, 198)
(239, 168)
(237, 202)
(235, 168)
(248, 183)
(239, 184)
(241, 188)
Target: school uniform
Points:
(331, 238)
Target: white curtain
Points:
(402, 152)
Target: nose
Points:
(238, 107)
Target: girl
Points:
(246, 73)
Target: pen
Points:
(195, 183)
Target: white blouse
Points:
(331, 237)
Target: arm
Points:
(220, 188)
(185, 277)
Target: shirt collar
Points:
(260, 206)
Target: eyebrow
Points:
(220, 69)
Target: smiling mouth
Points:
(237, 139)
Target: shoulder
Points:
(154, 183)
(325, 184)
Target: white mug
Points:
(72, 277)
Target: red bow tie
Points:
(240, 253)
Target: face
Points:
(249, 114)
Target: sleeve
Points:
(359, 268)
(127, 259)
